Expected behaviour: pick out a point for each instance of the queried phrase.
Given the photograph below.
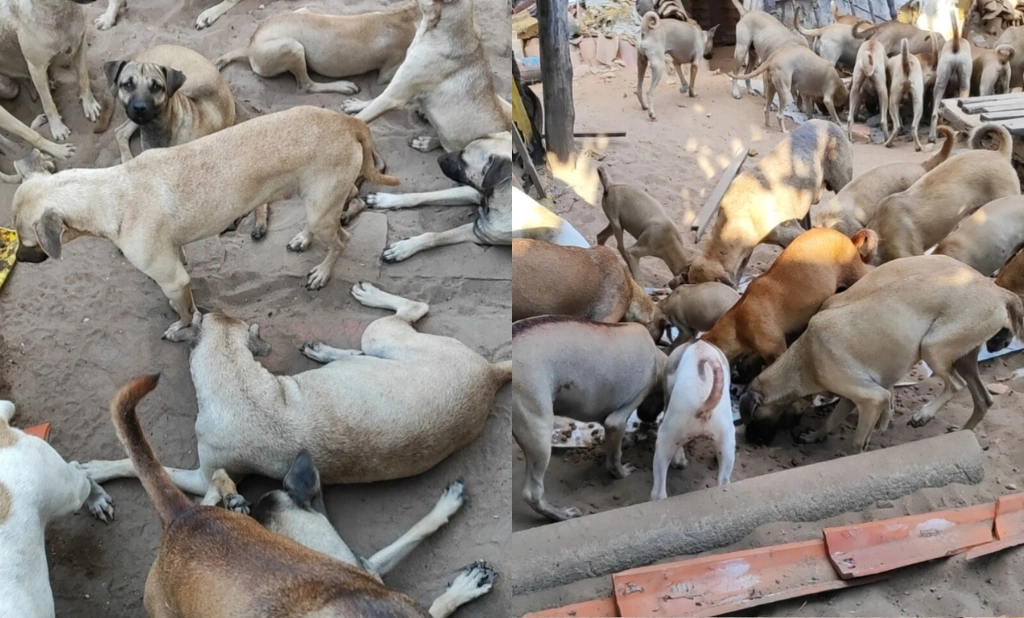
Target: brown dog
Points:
(587, 283)
(632, 209)
(912, 221)
(989, 237)
(779, 303)
(781, 187)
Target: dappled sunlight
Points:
(580, 172)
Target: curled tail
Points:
(606, 182)
(905, 56)
(651, 21)
(739, 7)
(502, 372)
(993, 131)
(369, 167)
(862, 33)
(231, 56)
(947, 147)
(717, 386)
(956, 31)
(169, 501)
(1006, 52)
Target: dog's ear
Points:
(303, 483)
(711, 32)
(499, 170)
(866, 242)
(175, 79)
(257, 345)
(112, 69)
(48, 229)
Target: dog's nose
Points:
(137, 107)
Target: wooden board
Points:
(1001, 116)
(995, 107)
(957, 119)
(710, 207)
(995, 98)
(979, 104)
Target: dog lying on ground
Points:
(987, 239)
(330, 45)
(38, 34)
(684, 42)
(891, 33)
(930, 308)
(632, 209)
(694, 308)
(153, 205)
(835, 43)
(991, 71)
(563, 365)
(36, 487)
(781, 187)
(691, 414)
(955, 67)
(906, 78)
(912, 221)
(869, 74)
(589, 283)
(779, 303)
(758, 36)
(344, 413)
(854, 205)
(205, 19)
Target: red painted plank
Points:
(598, 608)
(40, 431)
(1010, 516)
(991, 548)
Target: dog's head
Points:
(703, 270)
(41, 227)
(485, 164)
(762, 421)
(144, 89)
(301, 492)
(223, 330)
(709, 42)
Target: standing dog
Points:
(906, 78)
(758, 36)
(343, 413)
(891, 33)
(989, 237)
(686, 44)
(835, 43)
(991, 72)
(1014, 37)
(695, 308)
(36, 487)
(153, 205)
(955, 67)
(38, 34)
(869, 71)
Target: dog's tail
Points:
(991, 130)
(166, 497)
(369, 166)
(1005, 52)
(866, 241)
(739, 7)
(948, 136)
(231, 56)
(502, 372)
(761, 69)
(956, 31)
(717, 386)
(602, 173)
(862, 33)
(651, 21)
(905, 56)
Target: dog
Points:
(1014, 36)
(991, 70)
(154, 204)
(843, 19)
(589, 283)
(850, 210)
(692, 414)
(588, 371)
(330, 45)
(869, 74)
(205, 19)
(665, 9)
(632, 209)
(930, 308)
(906, 78)
(835, 43)
(912, 221)
(12, 125)
(758, 36)
(779, 303)
(685, 43)
(343, 406)
(891, 33)
(1011, 275)
(987, 239)
(36, 487)
(38, 34)
(955, 67)
(33, 164)
(780, 188)
(694, 308)
(798, 70)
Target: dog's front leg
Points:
(95, 497)
(456, 196)
(472, 582)
(212, 14)
(404, 249)
(123, 135)
(162, 264)
(90, 106)
(109, 18)
(410, 80)
(15, 127)
(615, 430)
(38, 65)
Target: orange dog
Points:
(781, 302)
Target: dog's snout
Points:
(449, 163)
(138, 107)
(32, 255)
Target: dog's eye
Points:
(128, 85)
(155, 87)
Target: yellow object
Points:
(520, 117)
(8, 252)
(525, 26)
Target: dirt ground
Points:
(74, 330)
(678, 159)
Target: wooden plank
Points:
(973, 105)
(957, 119)
(995, 107)
(560, 115)
(1000, 116)
(710, 207)
(598, 608)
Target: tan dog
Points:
(632, 209)
(1014, 37)
(779, 303)
(1011, 275)
(912, 221)
(153, 205)
(36, 35)
(694, 308)
(797, 69)
(869, 73)
(891, 33)
(589, 283)
(15, 127)
(594, 372)
(685, 43)
(906, 78)
(854, 205)
(329, 45)
(758, 36)
(205, 20)
(835, 43)
(780, 188)
(987, 239)
(930, 308)
(955, 67)
(991, 72)
(843, 19)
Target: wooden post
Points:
(556, 68)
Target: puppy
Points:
(854, 205)
(912, 221)
(329, 45)
(955, 67)
(588, 371)
(694, 308)
(632, 209)
(988, 238)
(690, 372)
(685, 43)
(930, 308)
(779, 303)
(347, 408)
(38, 34)
(891, 33)
(168, 197)
(758, 36)
(589, 283)
(869, 73)
(835, 43)
(36, 487)
(781, 187)
(991, 71)
(797, 69)
(906, 78)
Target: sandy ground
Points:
(74, 330)
(678, 160)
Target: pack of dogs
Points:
(199, 172)
(895, 268)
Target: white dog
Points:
(36, 487)
(698, 406)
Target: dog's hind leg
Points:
(123, 135)
(409, 311)
(615, 430)
(917, 94)
(109, 17)
(471, 583)
(895, 95)
(603, 235)
(665, 451)
(324, 221)
(940, 352)
(684, 87)
(967, 367)
(404, 249)
(883, 97)
(657, 64)
(641, 72)
(531, 428)
(276, 56)
(212, 14)
(938, 93)
(194, 482)
(323, 353)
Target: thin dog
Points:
(758, 36)
(869, 73)
(685, 43)
(955, 68)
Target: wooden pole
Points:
(556, 68)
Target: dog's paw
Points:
(101, 506)
(174, 332)
(919, 420)
(207, 17)
(236, 503)
(808, 437)
(301, 242)
(399, 251)
(259, 232)
(58, 129)
(474, 581)
(318, 277)
(353, 106)
(381, 201)
(91, 107)
(105, 22)
(679, 461)
(452, 499)
(425, 143)
(569, 512)
(622, 471)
